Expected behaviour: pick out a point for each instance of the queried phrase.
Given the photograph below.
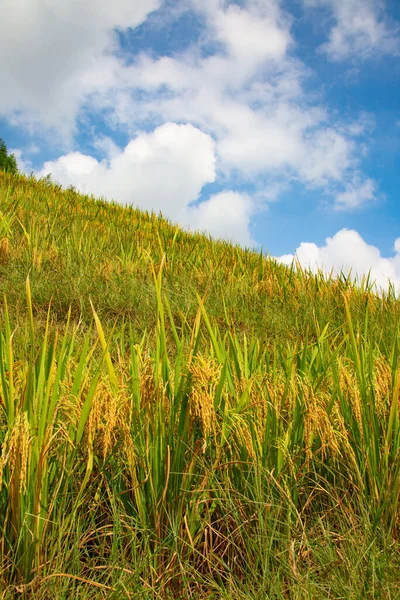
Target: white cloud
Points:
(225, 215)
(24, 164)
(360, 30)
(55, 53)
(163, 171)
(250, 36)
(326, 156)
(356, 194)
(237, 83)
(248, 94)
(348, 252)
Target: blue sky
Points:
(275, 124)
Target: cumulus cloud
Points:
(225, 215)
(162, 171)
(248, 94)
(251, 36)
(238, 83)
(360, 29)
(348, 252)
(55, 53)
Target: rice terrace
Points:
(184, 418)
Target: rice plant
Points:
(181, 418)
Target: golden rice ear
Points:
(147, 384)
(5, 251)
(382, 385)
(105, 418)
(351, 390)
(15, 454)
(205, 375)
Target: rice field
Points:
(182, 418)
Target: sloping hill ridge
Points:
(75, 248)
(183, 418)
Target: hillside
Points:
(75, 248)
(185, 418)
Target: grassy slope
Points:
(75, 248)
(249, 450)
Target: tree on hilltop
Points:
(8, 162)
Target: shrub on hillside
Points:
(8, 162)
